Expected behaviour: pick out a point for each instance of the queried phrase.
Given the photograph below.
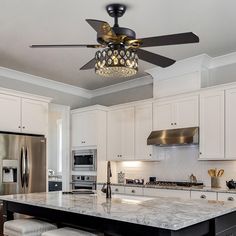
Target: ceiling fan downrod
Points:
(116, 11)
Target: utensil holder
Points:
(215, 182)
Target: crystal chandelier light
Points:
(119, 62)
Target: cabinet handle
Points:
(133, 191)
(203, 196)
(230, 199)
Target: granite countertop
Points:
(168, 213)
(203, 189)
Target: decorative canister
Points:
(215, 182)
(121, 177)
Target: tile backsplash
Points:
(177, 164)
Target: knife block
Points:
(215, 182)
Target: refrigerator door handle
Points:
(26, 168)
(22, 167)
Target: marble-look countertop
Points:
(203, 189)
(162, 212)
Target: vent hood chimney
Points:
(185, 136)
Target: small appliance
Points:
(87, 182)
(84, 160)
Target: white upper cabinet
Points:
(23, 115)
(34, 116)
(84, 129)
(10, 118)
(186, 112)
(176, 113)
(120, 139)
(143, 128)
(212, 125)
(230, 121)
(162, 115)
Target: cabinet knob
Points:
(133, 191)
(19, 126)
(172, 124)
(117, 190)
(23, 127)
(150, 154)
(200, 153)
(230, 199)
(203, 196)
(175, 123)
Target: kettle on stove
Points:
(231, 184)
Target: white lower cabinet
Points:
(134, 191)
(227, 197)
(117, 189)
(166, 193)
(203, 195)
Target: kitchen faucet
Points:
(106, 188)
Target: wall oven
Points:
(83, 182)
(84, 160)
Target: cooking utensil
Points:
(220, 173)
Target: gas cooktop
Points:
(175, 183)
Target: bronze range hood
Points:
(184, 136)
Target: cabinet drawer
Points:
(117, 189)
(54, 186)
(227, 197)
(203, 195)
(134, 190)
(166, 193)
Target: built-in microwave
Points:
(84, 160)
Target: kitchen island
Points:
(127, 215)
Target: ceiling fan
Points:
(120, 47)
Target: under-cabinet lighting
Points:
(132, 164)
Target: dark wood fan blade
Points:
(101, 27)
(89, 65)
(66, 46)
(154, 58)
(172, 39)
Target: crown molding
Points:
(185, 66)
(70, 89)
(223, 60)
(134, 83)
(40, 81)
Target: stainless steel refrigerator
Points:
(22, 163)
(22, 166)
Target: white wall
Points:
(177, 164)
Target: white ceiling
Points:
(25, 22)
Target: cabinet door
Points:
(90, 128)
(204, 195)
(143, 128)
(162, 116)
(114, 135)
(84, 129)
(10, 118)
(230, 121)
(34, 116)
(186, 112)
(77, 129)
(166, 193)
(212, 125)
(127, 135)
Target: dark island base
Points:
(221, 226)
